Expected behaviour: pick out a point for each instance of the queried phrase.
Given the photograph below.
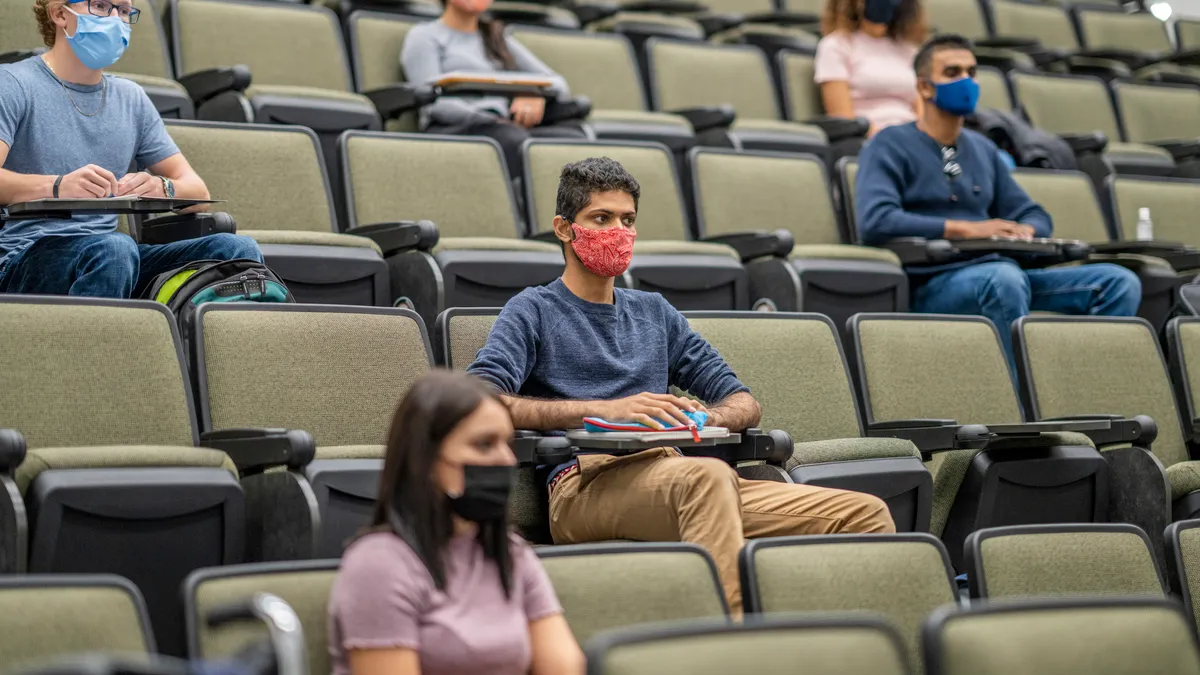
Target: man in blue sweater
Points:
(581, 348)
(936, 180)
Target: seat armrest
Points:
(591, 11)
(665, 6)
(841, 128)
(1086, 143)
(255, 450)
(716, 22)
(1141, 430)
(1130, 58)
(205, 84)
(1017, 43)
(784, 18)
(392, 238)
(919, 250)
(756, 243)
(932, 435)
(577, 108)
(180, 227)
(708, 117)
(1179, 256)
(1186, 57)
(535, 449)
(12, 450)
(19, 55)
(1181, 150)
(396, 99)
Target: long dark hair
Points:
(491, 31)
(409, 503)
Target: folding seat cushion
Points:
(1074, 105)
(480, 259)
(1070, 199)
(299, 70)
(44, 617)
(744, 191)
(692, 75)
(962, 18)
(837, 646)
(273, 181)
(1112, 366)
(602, 67)
(898, 577)
(690, 274)
(656, 582)
(958, 366)
(112, 476)
(303, 585)
(460, 333)
(1113, 636)
(1043, 561)
(145, 61)
(1173, 204)
(1183, 564)
(821, 416)
(344, 370)
(1139, 39)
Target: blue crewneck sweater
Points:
(549, 343)
(902, 191)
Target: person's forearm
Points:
(737, 412)
(19, 187)
(541, 415)
(190, 187)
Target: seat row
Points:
(901, 584)
(175, 441)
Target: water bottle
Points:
(1145, 228)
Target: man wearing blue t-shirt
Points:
(936, 180)
(68, 130)
(581, 348)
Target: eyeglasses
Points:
(950, 165)
(105, 8)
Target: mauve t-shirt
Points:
(883, 85)
(383, 598)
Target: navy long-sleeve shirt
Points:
(902, 190)
(549, 343)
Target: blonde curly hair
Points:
(41, 10)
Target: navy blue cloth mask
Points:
(958, 97)
(880, 11)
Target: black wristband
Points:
(57, 182)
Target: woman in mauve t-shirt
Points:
(864, 64)
(439, 586)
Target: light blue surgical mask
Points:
(98, 40)
(958, 97)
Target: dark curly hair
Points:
(580, 180)
(907, 25)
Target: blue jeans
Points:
(111, 265)
(1003, 292)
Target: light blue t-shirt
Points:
(47, 135)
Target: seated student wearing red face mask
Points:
(464, 40)
(580, 347)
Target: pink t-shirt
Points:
(883, 85)
(383, 597)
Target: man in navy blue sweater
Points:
(580, 348)
(936, 180)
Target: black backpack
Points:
(185, 288)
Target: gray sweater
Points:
(433, 49)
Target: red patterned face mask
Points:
(607, 252)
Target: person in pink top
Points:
(864, 62)
(438, 585)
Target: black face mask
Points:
(880, 11)
(485, 493)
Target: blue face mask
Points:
(98, 41)
(958, 97)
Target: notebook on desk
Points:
(649, 436)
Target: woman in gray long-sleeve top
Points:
(462, 40)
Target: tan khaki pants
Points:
(660, 495)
